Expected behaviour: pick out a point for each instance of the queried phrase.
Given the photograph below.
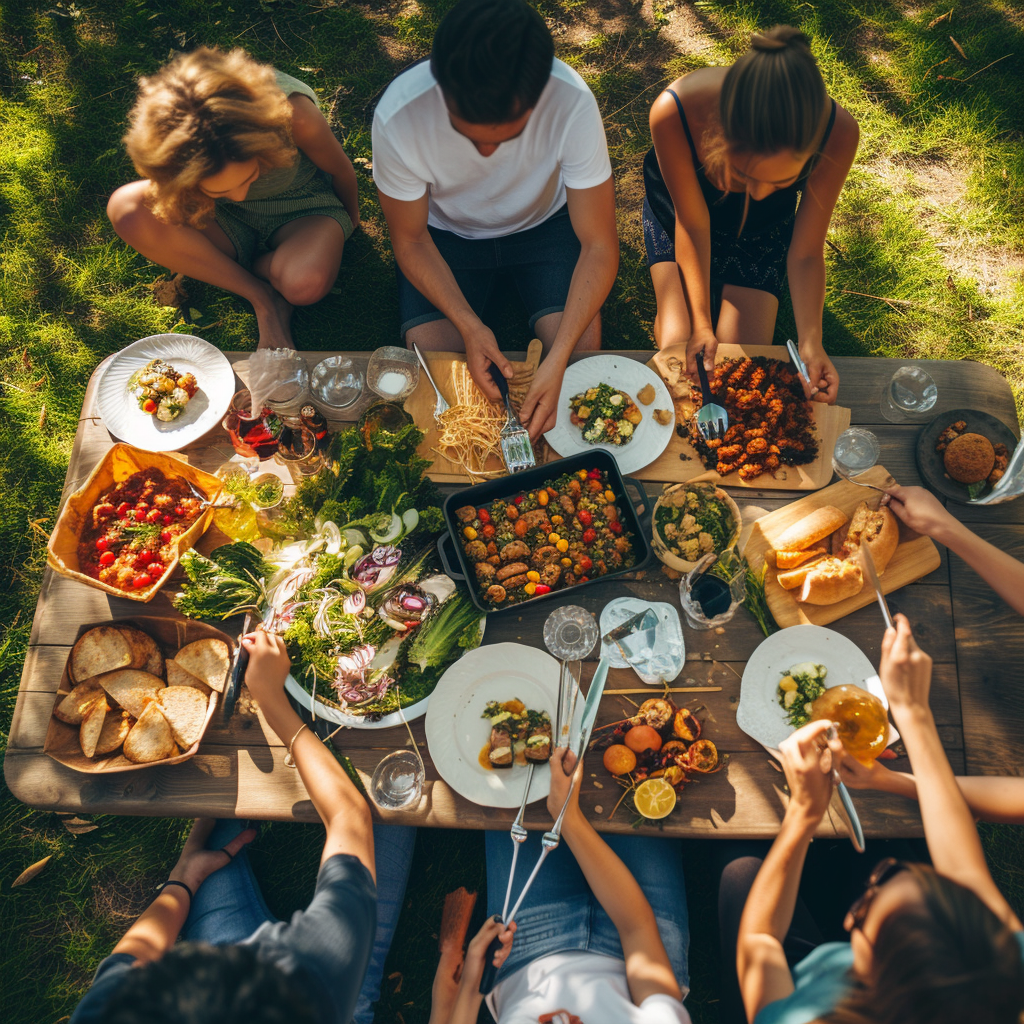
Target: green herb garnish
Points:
(232, 580)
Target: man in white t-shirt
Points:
(491, 159)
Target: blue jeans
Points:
(229, 907)
(561, 914)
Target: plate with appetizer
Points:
(614, 403)
(490, 716)
(963, 453)
(789, 670)
(165, 391)
(812, 550)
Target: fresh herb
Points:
(754, 600)
(232, 580)
(144, 532)
(975, 490)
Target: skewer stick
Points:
(670, 689)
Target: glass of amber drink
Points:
(860, 718)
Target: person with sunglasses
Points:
(928, 945)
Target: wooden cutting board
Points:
(915, 557)
(420, 406)
(680, 460)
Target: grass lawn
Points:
(925, 259)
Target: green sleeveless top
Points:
(282, 179)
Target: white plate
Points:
(759, 713)
(649, 440)
(325, 711)
(185, 352)
(456, 733)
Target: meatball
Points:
(515, 551)
(476, 550)
(568, 506)
(484, 572)
(512, 569)
(494, 560)
(969, 458)
(495, 594)
(550, 575)
(545, 555)
(466, 514)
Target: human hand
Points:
(806, 757)
(540, 406)
(920, 510)
(195, 863)
(268, 666)
(905, 670)
(823, 376)
(564, 771)
(702, 338)
(857, 775)
(482, 350)
(476, 953)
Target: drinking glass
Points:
(298, 451)
(397, 780)
(709, 600)
(337, 382)
(909, 395)
(392, 373)
(856, 450)
(860, 718)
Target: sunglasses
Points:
(886, 870)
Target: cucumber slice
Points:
(352, 537)
(392, 532)
(410, 520)
(332, 537)
(352, 555)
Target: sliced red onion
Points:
(376, 568)
(354, 603)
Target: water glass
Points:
(708, 599)
(298, 451)
(856, 451)
(393, 373)
(909, 395)
(397, 781)
(337, 382)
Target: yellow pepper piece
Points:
(553, 538)
(610, 495)
(557, 520)
(567, 562)
(582, 474)
(533, 576)
(530, 588)
(562, 545)
(542, 497)
(469, 533)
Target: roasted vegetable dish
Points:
(519, 735)
(694, 520)
(770, 423)
(545, 539)
(605, 415)
(130, 535)
(161, 390)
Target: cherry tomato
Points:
(166, 536)
(483, 515)
(122, 509)
(488, 530)
(584, 579)
(542, 588)
(101, 544)
(154, 515)
(144, 557)
(142, 580)
(149, 406)
(518, 499)
(167, 520)
(584, 517)
(142, 505)
(179, 511)
(585, 563)
(589, 536)
(155, 569)
(107, 558)
(594, 474)
(615, 526)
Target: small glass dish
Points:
(856, 451)
(267, 491)
(709, 600)
(393, 373)
(337, 382)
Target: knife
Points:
(237, 670)
(801, 366)
(590, 707)
(868, 565)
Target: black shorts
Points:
(541, 260)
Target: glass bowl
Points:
(337, 382)
(393, 373)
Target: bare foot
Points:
(273, 322)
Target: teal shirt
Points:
(822, 979)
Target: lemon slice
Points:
(655, 798)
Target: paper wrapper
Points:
(171, 634)
(117, 465)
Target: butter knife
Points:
(868, 565)
(801, 366)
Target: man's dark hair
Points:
(492, 59)
(199, 984)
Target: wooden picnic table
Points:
(975, 639)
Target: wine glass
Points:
(909, 395)
(860, 718)
(570, 633)
(856, 451)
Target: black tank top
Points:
(727, 210)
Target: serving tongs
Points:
(553, 837)
(516, 448)
(712, 418)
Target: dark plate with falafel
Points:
(962, 453)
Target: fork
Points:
(516, 449)
(846, 476)
(712, 419)
(440, 406)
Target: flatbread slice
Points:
(116, 727)
(92, 726)
(208, 660)
(145, 650)
(74, 707)
(185, 708)
(177, 676)
(102, 649)
(150, 737)
(132, 688)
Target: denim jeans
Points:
(229, 907)
(561, 914)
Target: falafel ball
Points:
(969, 458)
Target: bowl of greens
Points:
(691, 520)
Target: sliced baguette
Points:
(150, 738)
(830, 581)
(791, 559)
(132, 688)
(91, 729)
(815, 526)
(209, 660)
(102, 649)
(795, 577)
(875, 529)
(75, 706)
(184, 707)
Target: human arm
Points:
(468, 998)
(592, 213)
(158, 927)
(805, 262)
(949, 828)
(692, 229)
(648, 968)
(923, 512)
(761, 966)
(313, 135)
(340, 805)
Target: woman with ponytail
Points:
(734, 150)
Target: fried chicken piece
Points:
(952, 431)
(1002, 458)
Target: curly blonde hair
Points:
(199, 112)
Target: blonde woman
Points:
(244, 185)
(734, 150)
